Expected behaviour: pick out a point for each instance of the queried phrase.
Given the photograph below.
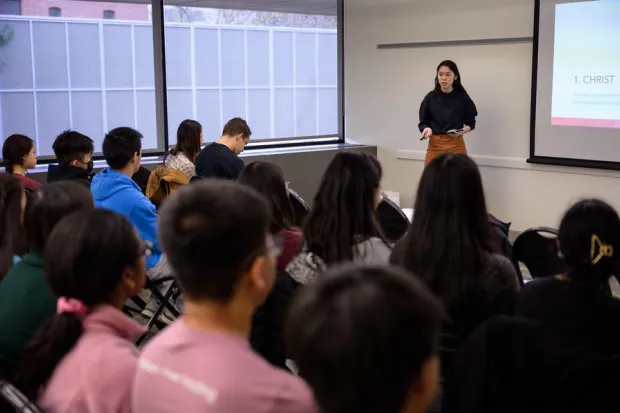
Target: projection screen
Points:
(576, 84)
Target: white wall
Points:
(383, 90)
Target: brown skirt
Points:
(440, 144)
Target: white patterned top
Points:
(181, 163)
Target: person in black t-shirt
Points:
(220, 159)
(446, 113)
(578, 306)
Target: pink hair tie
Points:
(71, 306)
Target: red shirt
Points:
(28, 183)
(291, 246)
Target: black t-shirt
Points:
(218, 161)
(582, 315)
(446, 111)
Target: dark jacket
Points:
(513, 365)
(502, 232)
(69, 173)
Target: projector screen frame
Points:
(549, 160)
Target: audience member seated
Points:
(366, 340)
(451, 247)
(74, 153)
(26, 300)
(342, 224)
(19, 155)
(220, 159)
(267, 179)
(515, 365)
(266, 334)
(114, 189)
(12, 237)
(82, 359)
(216, 236)
(184, 153)
(578, 305)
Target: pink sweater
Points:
(182, 370)
(96, 376)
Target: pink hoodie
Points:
(96, 375)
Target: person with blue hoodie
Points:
(114, 189)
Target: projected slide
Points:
(586, 65)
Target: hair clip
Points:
(604, 250)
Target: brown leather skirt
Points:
(440, 144)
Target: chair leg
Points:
(153, 319)
(161, 298)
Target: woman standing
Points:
(446, 113)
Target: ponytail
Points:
(46, 349)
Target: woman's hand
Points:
(457, 133)
(427, 132)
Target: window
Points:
(54, 12)
(10, 7)
(278, 66)
(84, 73)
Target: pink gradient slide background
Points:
(588, 123)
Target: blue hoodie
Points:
(117, 192)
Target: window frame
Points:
(272, 143)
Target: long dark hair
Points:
(15, 148)
(458, 84)
(343, 213)
(188, 139)
(12, 236)
(587, 231)
(450, 237)
(85, 259)
(267, 178)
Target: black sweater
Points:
(218, 161)
(445, 111)
(580, 314)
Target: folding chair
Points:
(392, 219)
(12, 400)
(300, 208)
(164, 303)
(537, 249)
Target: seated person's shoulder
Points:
(503, 267)
(294, 396)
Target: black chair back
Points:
(537, 249)
(12, 400)
(300, 208)
(141, 178)
(392, 219)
